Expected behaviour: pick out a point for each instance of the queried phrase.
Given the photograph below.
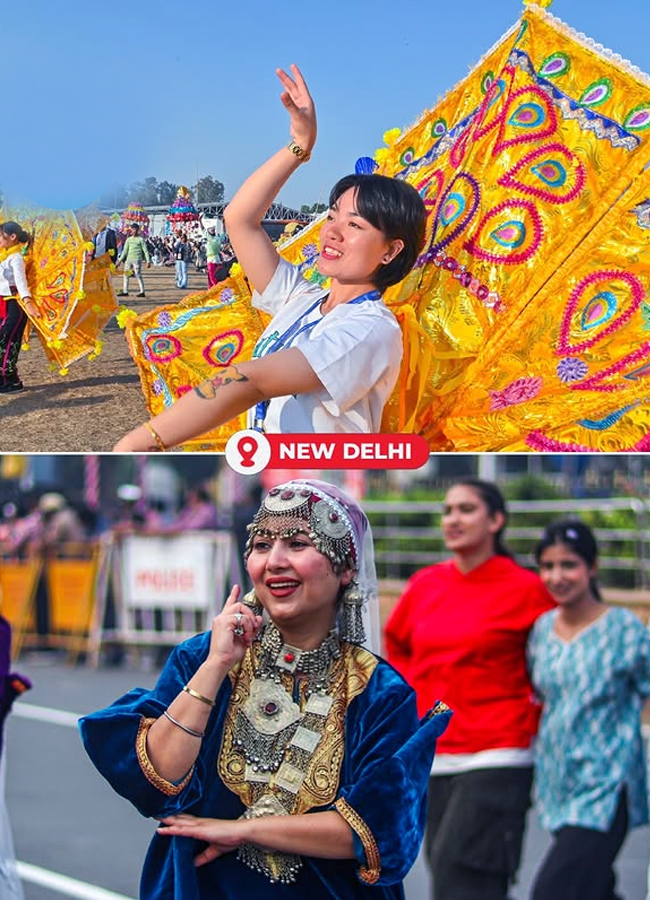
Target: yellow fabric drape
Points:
(178, 346)
(75, 299)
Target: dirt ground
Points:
(89, 409)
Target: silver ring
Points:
(239, 628)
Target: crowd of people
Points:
(53, 522)
(528, 687)
(208, 252)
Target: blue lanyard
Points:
(285, 340)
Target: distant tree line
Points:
(314, 209)
(151, 192)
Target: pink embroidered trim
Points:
(538, 441)
(593, 383)
(518, 391)
(509, 179)
(638, 294)
(516, 258)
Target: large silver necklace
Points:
(277, 738)
(271, 719)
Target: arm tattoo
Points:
(207, 390)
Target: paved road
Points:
(67, 821)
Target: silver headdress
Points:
(339, 529)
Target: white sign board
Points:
(165, 571)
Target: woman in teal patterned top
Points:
(590, 666)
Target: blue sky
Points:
(114, 92)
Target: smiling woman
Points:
(330, 357)
(281, 756)
(590, 666)
(459, 631)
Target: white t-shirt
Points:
(12, 276)
(355, 349)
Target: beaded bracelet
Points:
(197, 696)
(154, 434)
(196, 734)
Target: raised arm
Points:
(174, 740)
(243, 215)
(219, 399)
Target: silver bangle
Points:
(196, 734)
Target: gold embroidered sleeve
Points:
(370, 873)
(166, 787)
(440, 707)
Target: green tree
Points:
(314, 209)
(209, 190)
(145, 192)
(166, 193)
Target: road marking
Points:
(65, 885)
(46, 714)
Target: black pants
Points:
(579, 863)
(475, 831)
(12, 328)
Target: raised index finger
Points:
(232, 597)
(286, 79)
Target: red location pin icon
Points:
(247, 447)
(248, 452)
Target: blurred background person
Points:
(8, 522)
(22, 532)
(105, 241)
(132, 255)
(131, 511)
(183, 256)
(590, 666)
(459, 633)
(61, 524)
(197, 513)
(213, 253)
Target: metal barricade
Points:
(407, 535)
(167, 587)
(18, 583)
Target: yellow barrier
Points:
(71, 588)
(18, 583)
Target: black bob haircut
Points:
(397, 210)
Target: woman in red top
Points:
(459, 633)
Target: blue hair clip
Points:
(365, 165)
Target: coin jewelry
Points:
(277, 738)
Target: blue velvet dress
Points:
(378, 768)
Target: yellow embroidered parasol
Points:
(75, 298)
(525, 321)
